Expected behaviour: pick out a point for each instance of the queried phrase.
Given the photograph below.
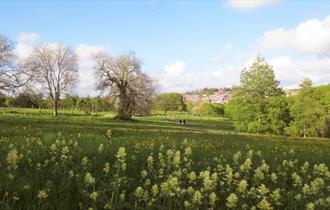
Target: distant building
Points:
(219, 96)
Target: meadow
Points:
(95, 162)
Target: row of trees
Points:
(259, 105)
(30, 99)
(54, 69)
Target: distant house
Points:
(220, 96)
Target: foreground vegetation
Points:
(82, 162)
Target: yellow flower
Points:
(42, 194)
(89, 179)
(121, 154)
(231, 200)
(93, 195)
(310, 206)
(197, 197)
(212, 199)
(264, 205)
(242, 185)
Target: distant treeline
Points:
(30, 99)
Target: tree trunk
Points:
(55, 108)
(124, 111)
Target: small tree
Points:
(54, 67)
(309, 117)
(170, 102)
(128, 85)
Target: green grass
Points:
(32, 132)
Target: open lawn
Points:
(74, 162)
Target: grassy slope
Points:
(210, 136)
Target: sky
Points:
(184, 45)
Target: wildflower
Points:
(264, 205)
(246, 166)
(154, 190)
(106, 168)
(71, 174)
(276, 195)
(84, 161)
(186, 204)
(297, 181)
(177, 159)
(273, 177)
(197, 197)
(321, 169)
(121, 154)
(100, 149)
(188, 151)
(212, 199)
(231, 201)
(122, 196)
(305, 167)
(190, 190)
(109, 134)
(242, 186)
(42, 194)
(192, 176)
(237, 156)
(53, 147)
(262, 189)
(89, 179)
(12, 159)
(316, 185)
(139, 192)
(150, 161)
(144, 173)
(93, 195)
(310, 206)
(65, 150)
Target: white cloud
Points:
(217, 58)
(87, 85)
(25, 43)
(177, 78)
(228, 46)
(291, 72)
(25, 37)
(309, 37)
(249, 4)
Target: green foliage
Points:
(169, 102)
(211, 109)
(309, 116)
(258, 104)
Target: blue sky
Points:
(183, 44)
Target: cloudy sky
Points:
(184, 45)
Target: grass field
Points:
(82, 162)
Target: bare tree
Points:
(11, 75)
(54, 67)
(123, 77)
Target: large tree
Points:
(309, 116)
(11, 75)
(55, 68)
(250, 105)
(126, 82)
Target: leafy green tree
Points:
(170, 102)
(309, 116)
(249, 106)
